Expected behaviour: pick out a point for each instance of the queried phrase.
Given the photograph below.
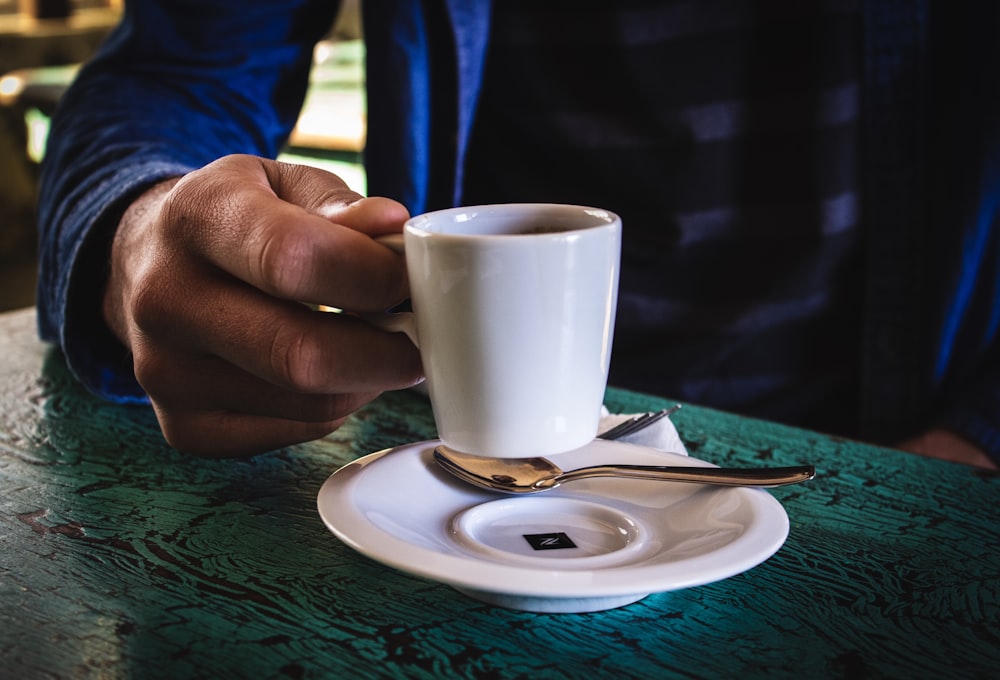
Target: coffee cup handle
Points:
(393, 242)
(394, 322)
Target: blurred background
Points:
(43, 43)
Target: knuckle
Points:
(298, 356)
(148, 305)
(284, 262)
(153, 373)
(188, 431)
(174, 434)
(183, 204)
(180, 434)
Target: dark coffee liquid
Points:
(540, 229)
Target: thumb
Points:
(374, 216)
(325, 194)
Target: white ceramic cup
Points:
(513, 312)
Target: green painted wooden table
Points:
(120, 558)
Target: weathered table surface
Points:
(122, 558)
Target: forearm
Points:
(948, 446)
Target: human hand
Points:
(208, 276)
(947, 446)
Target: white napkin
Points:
(660, 435)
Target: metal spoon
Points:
(531, 475)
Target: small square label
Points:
(555, 541)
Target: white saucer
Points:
(626, 538)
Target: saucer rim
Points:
(764, 534)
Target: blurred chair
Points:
(27, 99)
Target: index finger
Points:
(294, 233)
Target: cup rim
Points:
(420, 224)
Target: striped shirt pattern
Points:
(726, 135)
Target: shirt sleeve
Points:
(178, 84)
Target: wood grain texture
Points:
(120, 558)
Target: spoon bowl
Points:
(533, 475)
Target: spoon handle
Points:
(763, 477)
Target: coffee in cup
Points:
(513, 312)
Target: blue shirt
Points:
(176, 87)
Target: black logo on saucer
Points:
(556, 541)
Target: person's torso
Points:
(726, 136)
